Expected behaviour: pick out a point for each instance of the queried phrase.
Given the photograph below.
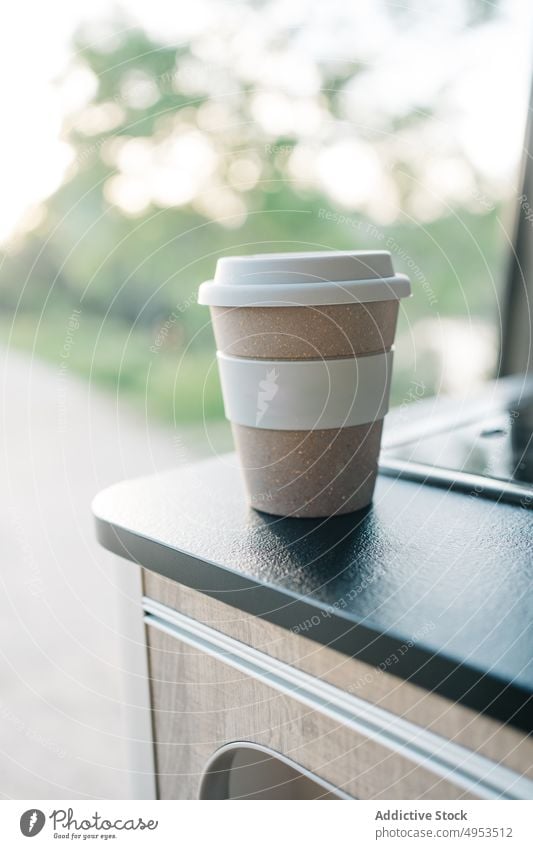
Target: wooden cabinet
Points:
(220, 677)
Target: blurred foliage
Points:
(133, 272)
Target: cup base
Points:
(309, 474)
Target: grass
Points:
(169, 385)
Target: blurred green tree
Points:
(185, 152)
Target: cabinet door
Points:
(203, 700)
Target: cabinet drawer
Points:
(479, 733)
(209, 690)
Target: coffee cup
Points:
(305, 351)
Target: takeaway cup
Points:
(305, 349)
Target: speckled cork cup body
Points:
(318, 472)
(314, 473)
(299, 333)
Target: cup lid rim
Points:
(304, 277)
(301, 278)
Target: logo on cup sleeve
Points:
(267, 391)
(32, 822)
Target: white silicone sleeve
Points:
(305, 394)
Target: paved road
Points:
(61, 733)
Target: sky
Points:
(489, 67)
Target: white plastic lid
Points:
(294, 279)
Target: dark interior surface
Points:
(491, 454)
(517, 335)
(500, 446)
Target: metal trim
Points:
(467, 769)
(454, 479)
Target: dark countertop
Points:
(441, 580)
